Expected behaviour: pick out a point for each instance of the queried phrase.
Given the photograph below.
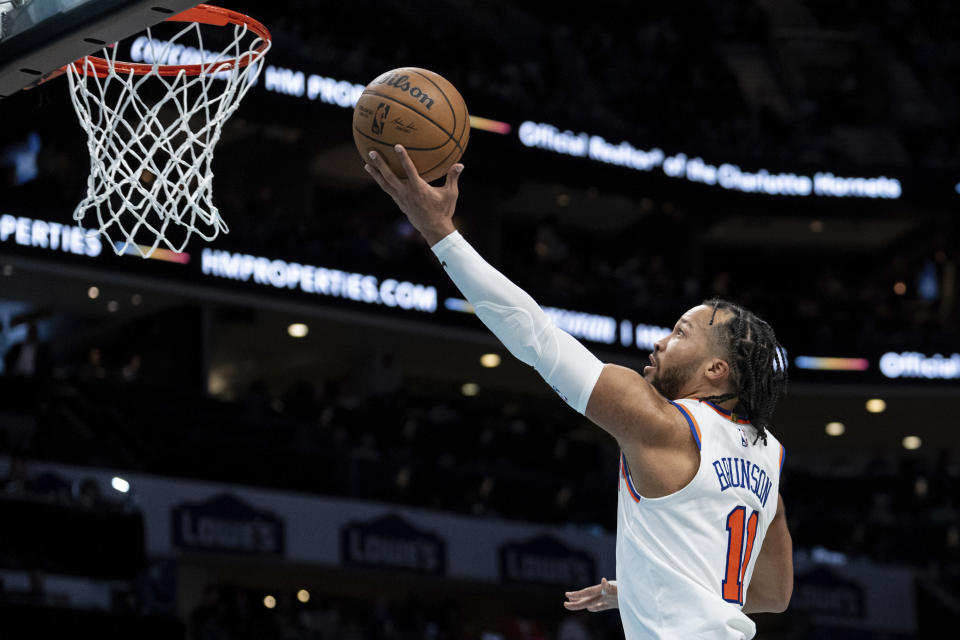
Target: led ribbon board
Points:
(310, 86)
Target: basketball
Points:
(418, 109)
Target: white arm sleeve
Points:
(520, 324)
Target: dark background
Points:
(177, 379)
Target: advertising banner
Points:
(226, 524)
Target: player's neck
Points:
(707, 392)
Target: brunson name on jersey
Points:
(736, 473)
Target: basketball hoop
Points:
(152, 128)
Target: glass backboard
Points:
(38, 37)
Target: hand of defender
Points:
(429, 209)
(599, 597)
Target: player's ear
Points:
(718, 369)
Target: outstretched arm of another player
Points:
(622, 399)
(599, 597)
(772, 583)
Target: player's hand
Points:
(429, 209)
(599, 597)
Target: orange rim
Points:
(203, 14)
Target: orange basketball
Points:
(418, 109)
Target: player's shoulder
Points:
(706, 419)
(692, 412)
(708, 412)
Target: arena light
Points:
(912, 442)
(48, 236)
(876, 405)
(320, 281)
(459, 305)
(470, 389)
(831, 364)
(298, 330)
(120, 484)
(726, 175)
(490, 360)
(493, 126)
(911, 364)
(835, 429)
(303, 596)
(93, 292)
(269, 601)
(113, 306)
(164, 255)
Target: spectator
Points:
(30, 358)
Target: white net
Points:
(151, 135)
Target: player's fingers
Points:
(378, 178)
(583, 603)
(407, 164)
(577, 605)
(453, 179)
(381, 165)
(576, 596)
(582, 593)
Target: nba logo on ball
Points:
(376, 125)
(418, 109)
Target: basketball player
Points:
(702, 538)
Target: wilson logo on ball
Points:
(402, 82)
(376, 125)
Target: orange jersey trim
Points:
(726, 414)
(694, 427)
(626, 476)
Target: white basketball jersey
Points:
(684, 561)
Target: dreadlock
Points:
(758, 369)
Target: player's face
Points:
(677, 358)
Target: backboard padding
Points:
(63, 37)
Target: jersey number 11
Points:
(739, 549)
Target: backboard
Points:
(38, 37)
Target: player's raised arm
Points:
(514, 317)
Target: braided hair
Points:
(757, 365)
